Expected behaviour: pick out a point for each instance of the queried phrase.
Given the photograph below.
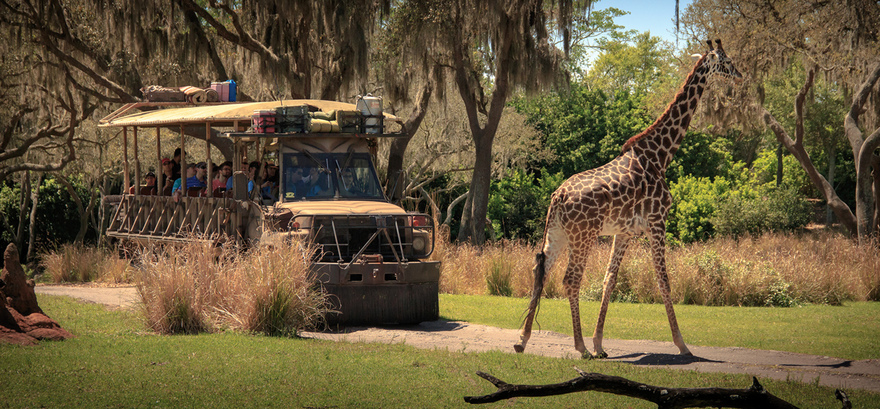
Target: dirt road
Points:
(465, 337)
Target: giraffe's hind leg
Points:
(571, 286)
(619, 248)
(555, 242)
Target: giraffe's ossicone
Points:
(625, 198)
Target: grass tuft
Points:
(74, 263)
(198, 287)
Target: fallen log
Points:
(665, 398)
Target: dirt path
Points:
(466, 337)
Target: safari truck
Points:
(372, 255)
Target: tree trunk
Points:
(863, 153)
(25, 186)
(832, 159)
(483, 136)
(480, 184)
(465, 229)
(876, 165)
(796, 147)
(779, 166)
(32, 234)
(865, 187)
(84, 212)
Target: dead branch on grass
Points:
(665, 398)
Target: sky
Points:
(656, 16)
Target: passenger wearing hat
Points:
(167, 172)
(199, 179)
(149, 181)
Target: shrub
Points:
(197, 287)
(498, 279)
(72, 263)
(755, 210)
(694, 201)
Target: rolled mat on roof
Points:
(195, 95)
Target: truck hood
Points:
(343, 207)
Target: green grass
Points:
(850, 331)
(113, 362)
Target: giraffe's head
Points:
(717, 62)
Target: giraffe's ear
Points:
(696, 57)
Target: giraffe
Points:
(625, 198)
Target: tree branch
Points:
(851, 122)
(841, 209)
(668, 398)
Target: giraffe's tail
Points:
(540, 273)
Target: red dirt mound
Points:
(22, 321)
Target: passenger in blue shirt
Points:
(199, 179)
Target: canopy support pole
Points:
(182, 165)
(160, 179)
(209, 179)
(126, 179)
(137, 164)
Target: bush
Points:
(518, 205)
(72, 263)
(498, 279)
(750, 210)
(197, 287)
(694, 202)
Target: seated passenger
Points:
(349, 184)
(190, 172)
(313, 183)
(269, 187)
(294, 186)
(149, 182)
(199, 180)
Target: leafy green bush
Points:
(755, 210)
(57, 218)
(518, 204)
(694, 201)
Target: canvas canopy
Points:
(217, 115)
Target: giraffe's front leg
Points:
(617, 252)
(658, 249)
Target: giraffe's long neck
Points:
(661, 140)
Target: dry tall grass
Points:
(198, 287)
(769, 270)
(72, 263)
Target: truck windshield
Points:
(322, 176)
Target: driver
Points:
(294, 186)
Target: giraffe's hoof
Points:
(590, 355)
(519, 348)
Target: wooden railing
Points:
(165, 218)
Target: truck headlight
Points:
(419, 244)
